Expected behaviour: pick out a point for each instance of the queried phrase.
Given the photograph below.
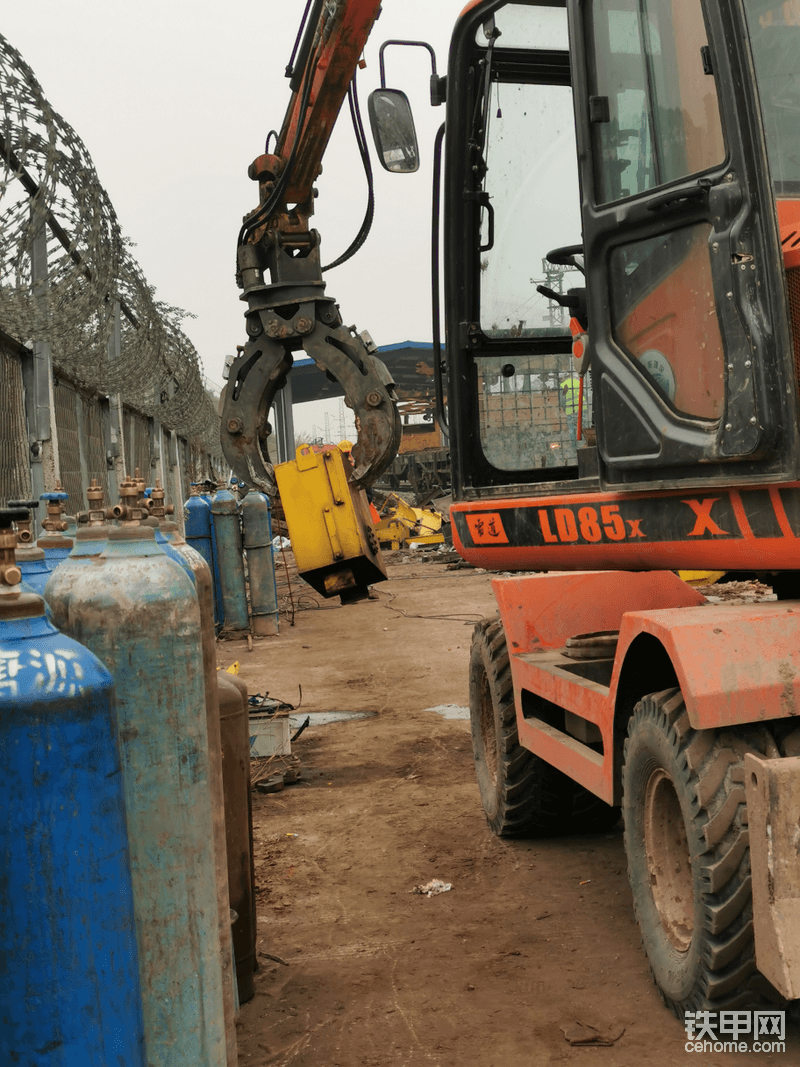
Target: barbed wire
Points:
(49, 186)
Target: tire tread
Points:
(709, 773)
(530, 797)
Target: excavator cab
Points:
(626, 129)
(622, 311)
(622, 232)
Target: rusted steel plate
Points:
(773, 802)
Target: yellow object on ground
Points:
(233, 669)
(329, 523)
(401, 524)
(700, 577)
(397, 521)
(426, 539)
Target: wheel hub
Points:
(668, 859)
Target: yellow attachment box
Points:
(329, 523)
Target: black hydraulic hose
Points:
(276, 196)
(363, 148)
(303, 21)
(435, 309)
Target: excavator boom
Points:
(279, 268)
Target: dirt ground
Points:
(534, 936)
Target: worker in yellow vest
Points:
(570, 396)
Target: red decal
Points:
(590, 528)
(565, 524)
(486, 528)
(613, 525)
(544, 523)
(704, 522)
(635, 530)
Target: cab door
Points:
(690, 351)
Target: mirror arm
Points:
(410, 44)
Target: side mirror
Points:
(393, 130)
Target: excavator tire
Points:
(686, 840)
(522, 795)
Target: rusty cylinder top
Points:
(20, 605)
(93, 533)
(173, 533)
(28, 553)
(132, 533)
(54, 540)
(231, 699)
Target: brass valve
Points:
(10, 574)
(130, 511)
(54, 522)
(96, 514)
(25, 535)
(155, 505)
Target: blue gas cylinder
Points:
(34, 568)
(199, 534)
(138, 612)
(166, 546)
(201, 577)
(225, 512)
(69, 977)
(260, 562)
(89, 543)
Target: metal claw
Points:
(260, 370)
(255, 377)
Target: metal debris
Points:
(432, 888)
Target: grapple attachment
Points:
(260, 370)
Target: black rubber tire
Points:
(686, 839)
(522, 795)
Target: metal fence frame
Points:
(90, 436)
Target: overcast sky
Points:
(174, 99)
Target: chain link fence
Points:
(15, 475)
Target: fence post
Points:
(38, 380)
(172, 474)
(154, 437)
(113, 436)
(83, 458)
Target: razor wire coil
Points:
(48, 183)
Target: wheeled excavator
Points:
(620, 184)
